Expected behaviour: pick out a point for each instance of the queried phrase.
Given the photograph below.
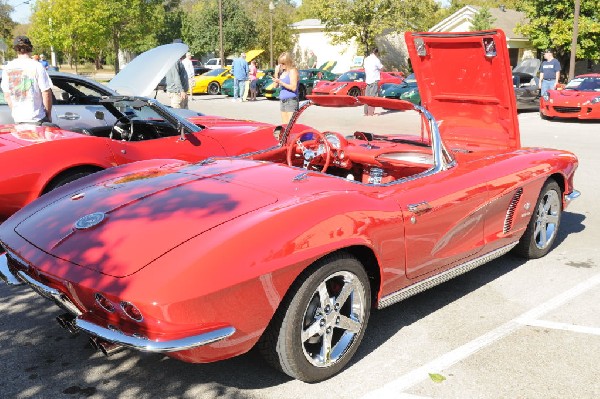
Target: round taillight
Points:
(104, 303)
(131, 311)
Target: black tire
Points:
(65, 178)
(354, 92)
(214, 88)
(302, 309)
(302, 92)
(542, 229)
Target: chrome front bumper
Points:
(106, 334)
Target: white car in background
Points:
(76, 99)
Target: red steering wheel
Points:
(312, 150)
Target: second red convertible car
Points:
(290, 249)
(37, 159)
(579, 99)
(352, 83)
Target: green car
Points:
(308, 78)
(407, 90)
(261, 83)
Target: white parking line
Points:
(414, 377)
(564, 326)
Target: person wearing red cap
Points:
(26, 85)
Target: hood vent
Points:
(510, 213)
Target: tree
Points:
(365, 20)
(550, 25)
(483, 20)
(6, 27)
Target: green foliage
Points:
(245, 26)
(438, 378)
(550, 24)
(367, 19)
(483, 20)
(6, 23)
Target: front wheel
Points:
(354, 92)
(322, 320)
(542, 229)
(214, 88)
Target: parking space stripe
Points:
(564, 326)
(416, 376)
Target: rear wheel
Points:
(214, 88)
(542, 229)
(354, 92)
(302, 92)
(322, 320)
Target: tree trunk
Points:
(116, 50)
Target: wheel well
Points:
(369, 261)
(560, 180)
(68, 172)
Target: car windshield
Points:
(410, 79)
(352, 76)
(214, 72)
(584, 84)
(304, 74)
(387, 124)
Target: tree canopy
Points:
(550, 25)
(483, 20)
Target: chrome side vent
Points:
(510, 213)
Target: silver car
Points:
(76, 99)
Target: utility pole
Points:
(574, 40)
(221, 51)
(271, 9)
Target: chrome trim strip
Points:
(442, 277)
(5, 274)
(146, 345)
(53, 294)
(573, 195)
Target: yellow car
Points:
(211, 81)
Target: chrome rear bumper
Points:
(106, 334)
(5, 274)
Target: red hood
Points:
(465, 81)
(13, 136)
(571, 97)
(326, 86)
(142, 214)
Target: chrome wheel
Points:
(333, 319)
(546, 219)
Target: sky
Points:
(22, 10)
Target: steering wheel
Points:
(312, 150)
(124, 131)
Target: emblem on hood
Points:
(91, 220)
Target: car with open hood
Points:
(291, 248)
(526, 84)
(579, 99)
(76, 99)
(352, 83)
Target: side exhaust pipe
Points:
(107, 348)
(67, 321)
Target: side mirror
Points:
(64, 96)
(99, 115)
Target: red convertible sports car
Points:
(291, 248)
(352, 83)
(37, 159)
(579, 99)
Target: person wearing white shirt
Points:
(189, 69)
(26, 85)
(373, 68)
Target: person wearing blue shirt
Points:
(239, 69)
(43, 61)
(549, 72)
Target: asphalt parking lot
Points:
(509, 329)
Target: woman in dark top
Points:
(286, 76)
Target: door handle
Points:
(70, 116)
(420, 208)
